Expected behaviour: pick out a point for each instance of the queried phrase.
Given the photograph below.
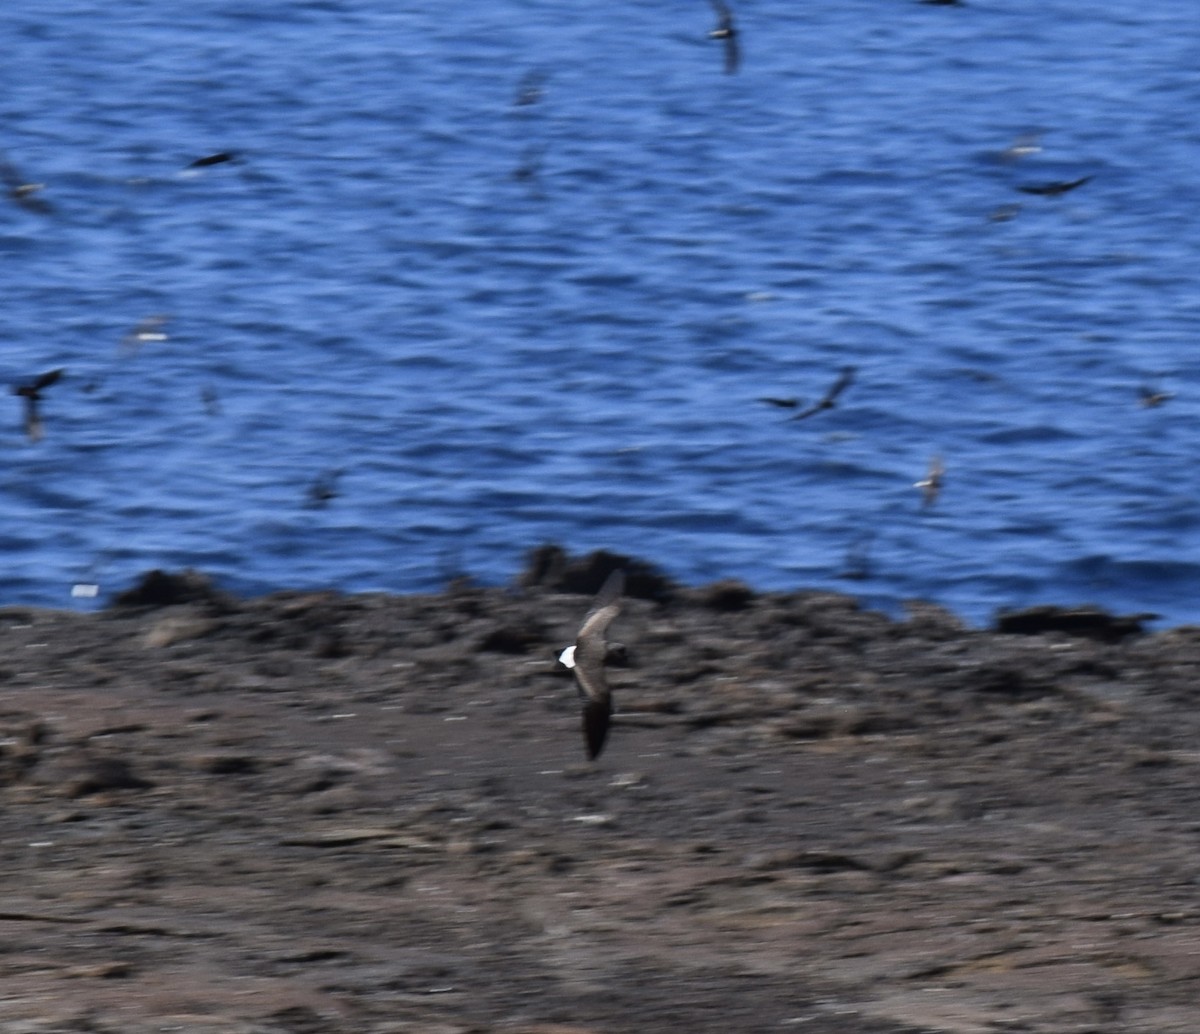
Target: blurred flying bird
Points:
(727, 32)
(788, 403)
(1022, 147)
(931, 484)
(213, 159)
(323, 489)
(148, 330)
(1004, 213)
(210, 400)
(530, 89)
(831, 396)
(1150, 398)
(32, 394)
(856, 565)
(21, 192)
(530, 167)
(586, 659)
(1053, 189)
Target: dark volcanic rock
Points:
(164, 589)
(1087, 622)
(312, 811)
(550, 567)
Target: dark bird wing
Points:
(723, 13)
(590, 648)
(781, 403)
(33, 419)
(1053, 189)
(840, 385)
(733, 53)
(46, 379)
(213, 159)
(727, 32)
(8, 173)
(596, 716)
(831, 396)
(590, 645)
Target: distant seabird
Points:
(857, 562)
(323, 489)
(530, 89)
(831, 396)
(530, 167)
(1053, 189)
(1150, 398)
(1004, 213)
(32, 394)
(931, 484)
(727, 32)
(788, 403)
(212, 404)
(22, 192)
(1022, 147)
(149, 329)
(213, 159)
(586, 660)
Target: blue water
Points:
(574, 356)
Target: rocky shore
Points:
(314, 812)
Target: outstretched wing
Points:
(590, 644)
(588, 662)
(46, 379)
(590, 650)
(842, 383)
(596, 715)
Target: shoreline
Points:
(551, 567)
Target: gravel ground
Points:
(313, 812)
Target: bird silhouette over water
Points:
(148, 330)
(829, 400)
(586, 659)
(1150, 398)
(530, 89)
(213, 159)
(931, 484)
(530, 166)
(1053, 189)
(779, 403)
(323, 489)
(32, 394)
(21, 192)
(727, 32)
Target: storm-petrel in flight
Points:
(32, 394)
(727, 32)
(831, 396)
(931, 484)
(323, 489)
(148, 330)
(21, 192)
(1150, 397)
(586, 660)
(213, 159)
(530, 89)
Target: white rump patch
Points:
(567, 657)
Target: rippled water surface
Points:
(509, 323)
